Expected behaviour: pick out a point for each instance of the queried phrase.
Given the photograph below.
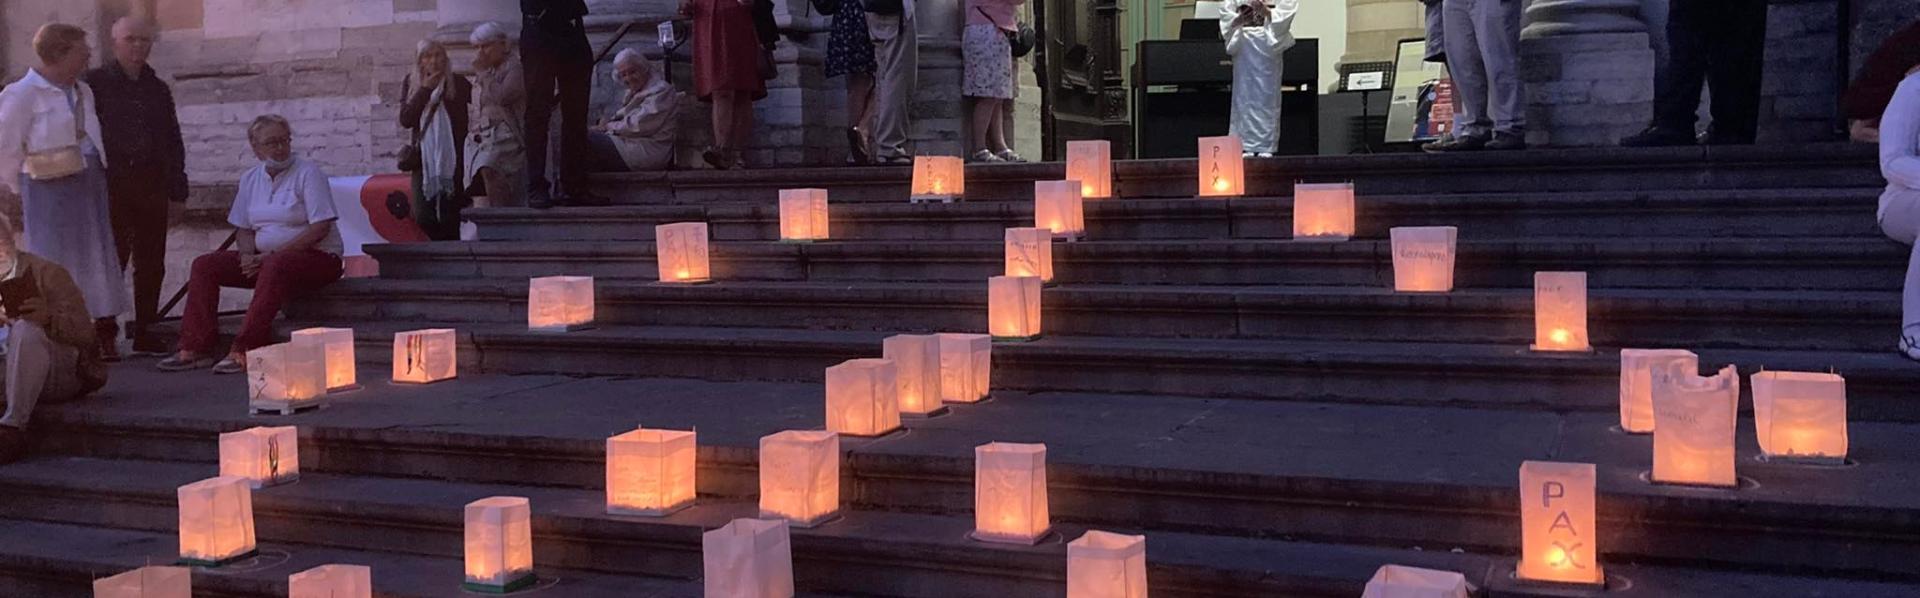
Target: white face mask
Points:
(278, 165)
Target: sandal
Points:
(176, 364)
(230, 366)
(1007, 155)
(718, 157)
(984, 157)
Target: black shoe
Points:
(1658, 136)
(1466, 143)
(1714, 136)
(857, 151)
(587, 199)
(146, 345)
(539, 199)
(1507, 142)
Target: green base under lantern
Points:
(516, 585)
(187, 562)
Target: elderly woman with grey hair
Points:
(496, 153)
(640, 135)
(435, 108)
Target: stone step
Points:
(1545, 170)
(1552, 213)
(1436, 478)
(1385, 373)
(1847, 263)
(40, 559)
(1803, 320)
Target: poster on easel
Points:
(1422, 105)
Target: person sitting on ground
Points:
(640, 135)
(1900, 203)
(1866, 98)
(52, 355)
(287, 246)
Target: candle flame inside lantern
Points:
(939, 186)
(1086, 190)
(1219, 184)
(1560, 336)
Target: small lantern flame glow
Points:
(1323, 212)
(803, 215)
(1636, 383)
(146, 582)
(216, 521)
(1801, 416)
(1557, 541)
(1013, 307)
(337, 343)
(966, 362)
(1010, 492)
(424, 356)
(1222, 170)
(263, 456)
(650, 472)
(800, 476)
(1057, 208)
(1107, 565)
(1030, 253)
(1560, 311)
(1091, 163)
(1694, 425)
(748, 558)
(916, 359)
(499, 544)
(1423, 258)
(863, 397)
(938, 178)
(332, 581)
(680, 251)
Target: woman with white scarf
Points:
(1257, 33)
(436, 112)
(640, 135)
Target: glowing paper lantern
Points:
(800, 476)
(680, 252)
(748, 558)
(1423, 258)
(1057, 208)
(216, 521)
(146, 582)
(1107, 565)
(1013, 307)
(499, 544)
(1401, 581)
(1323, 212)
(1636, 383)
(263, 456)
(1010, 492)
(803, 215)
(559, 303)
(337, 344)
(966, 363)
(1557, 541)
(424, 356)
(650, 472)
(1693, 426)
(916, 362)
(1222, 171)
(938, 178)
(1030, 253)
(287, 376)
(1560, 311)
(1801, 415)
(332, 581)
(1091, 163)
(863, 397)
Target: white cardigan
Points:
(35, 117)
(1900, 144)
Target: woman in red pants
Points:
(287, 246)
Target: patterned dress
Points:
(849, 49)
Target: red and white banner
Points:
(365, 205)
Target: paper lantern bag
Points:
(1013, 307)
(800, 476)
(288, 375)
(651, 472)
(1010, 492)
(1222, 170)
(146, 582)
(498, 542)
(938, 178)
(1030, 253)
(863, 397)
(1423, 258)
(1107, 565)
(1091, 163)
(424, 356)
(1637, 367)
(748, 558)
(337, 344)
(1323, 212)
(680, 252)
(1400, 581)
(803, 214)
(559, 303)
(265, 456)
(1694, 420)
(216, 520)
(1057, 207)
(1801, 415)
(1557, 538)
(916, 360)
(332, 581)
(966, 363)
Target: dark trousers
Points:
(565, 64)
(1717, 43)
(283, 275)
(140, 232)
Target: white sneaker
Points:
(1264, 155)
(1910, 345)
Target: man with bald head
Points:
(141, 135)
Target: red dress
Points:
(726, 50)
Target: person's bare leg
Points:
(997, 126)
(985, 110)
(742, 123)
(723, 119)
(496, 187)
(860, 100)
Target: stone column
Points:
(1375, 28)
(457, 19)
(940, 115)
(1588, 68)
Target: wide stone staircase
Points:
(1268, 413)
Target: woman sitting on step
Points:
(287, 246)
(639, 136)
(1900, 204)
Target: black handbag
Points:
(827, 7)
(1021, 40)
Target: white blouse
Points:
(37, 116)
(276, 210)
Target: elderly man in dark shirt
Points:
(554, 53)
(141, 135)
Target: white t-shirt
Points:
(278, 209)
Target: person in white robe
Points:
(1257, 33)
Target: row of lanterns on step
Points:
(1221, 170)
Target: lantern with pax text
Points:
(1222, 169)
(1557, 541)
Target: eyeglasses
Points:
(274, 142)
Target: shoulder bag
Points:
(60, 163)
